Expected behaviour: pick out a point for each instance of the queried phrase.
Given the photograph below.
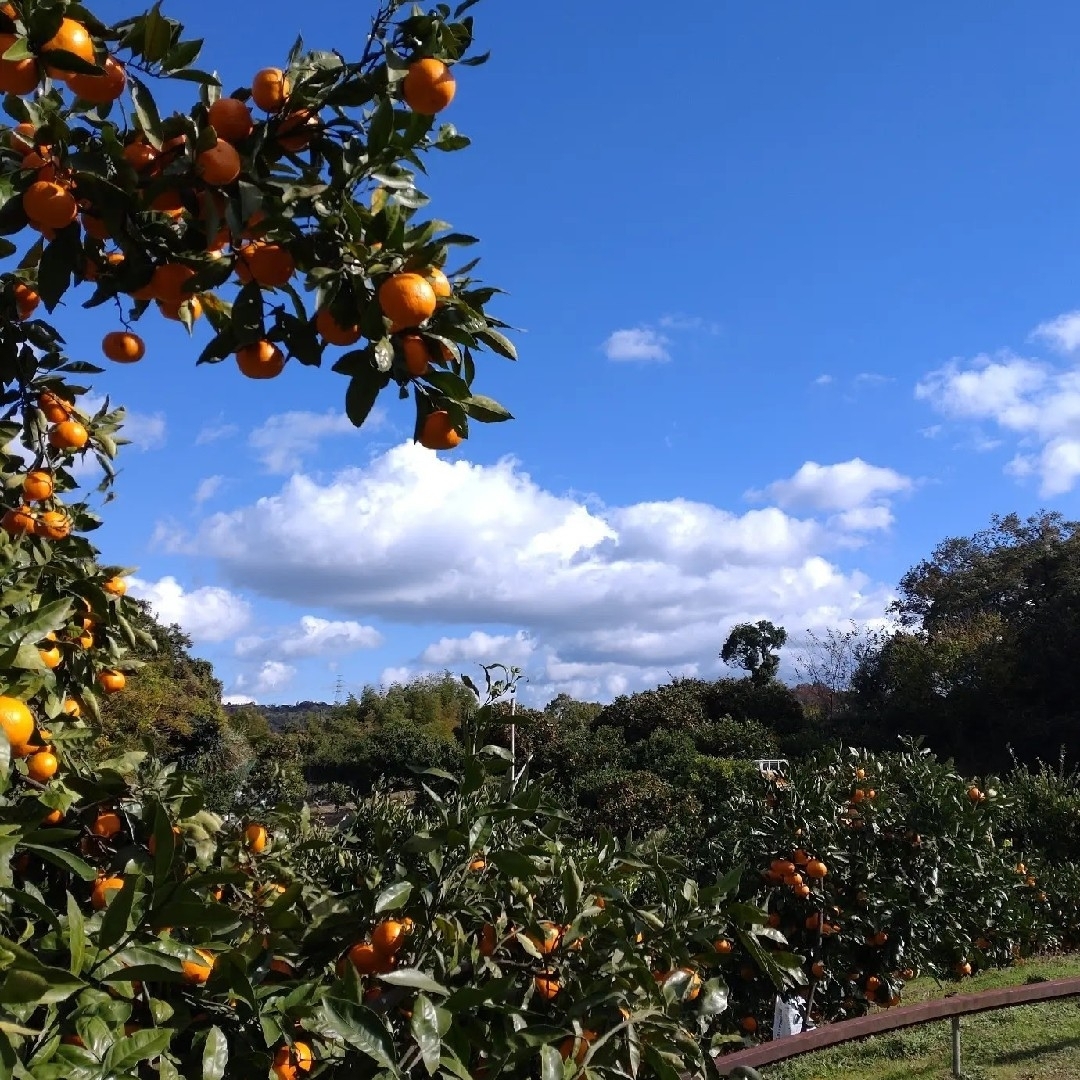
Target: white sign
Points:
(787, 1019)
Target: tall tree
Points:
(754, 646)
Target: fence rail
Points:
(953, 1006)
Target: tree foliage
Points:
(755, 647)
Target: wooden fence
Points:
(954, 1006)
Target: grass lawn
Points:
(1028, 1042)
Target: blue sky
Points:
(799, 291)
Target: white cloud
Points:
(865, 519)
(208, 613)
(1037, 402)
(144, 431)
(207, 489)
(238, 699)
(283, 441)
(642, 343)
(312, 637)
(1062, 333)
(272, 675)
(846, 486)
(689, 323)
(581, 592)
(823, 380)
(872, 378)
(215, 430)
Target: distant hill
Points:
(280, 717)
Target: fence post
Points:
(956, 1048)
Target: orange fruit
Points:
(974, 794)
(169, 281)
(256, 838)
(289, 1061)
(115, 586)
(332, 332)
(365, 958)
(817, 969)
(99, 895)
(488, 940)
(19, 522)
(295, 131)
(68, 435)
(748, 1024)
(231, 119)
(477, 864)
(26, 299)
(22, 137)
(169, 202)
(72, 708)
(963, 969)
(16, 721)
(42, 766)
(47, 203)
(123, 346)
(220, 165)
(880, 938)
(270, 265)
(438, 432)
(53, 817)
(50, 655)
(815, 868)
(576, 1045)
(37, 486)
(53, 525)
(428, 86)
(195, 972)
(872, 984)
(270, 89)
(72, 37)
(171, 308)
(547, 985)
(439, 282)
(723, 946)
(549, 942)
(112, 682)
(802, 891)
(415, 351)
(107, 824)
(139, 154)
(407, 299)
(17, 76)
(100, 89)
(388, 937)
(263, 360)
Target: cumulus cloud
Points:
(583, 593)
(272, 675)
(1037, 402)
(843, 487)
(312, 636)
(283, 441)
(208, 613)
(144, 431)
(214, 431)
(642, 343)
(207, 489)
(1062, 333)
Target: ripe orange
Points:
(22, 137)
(17, 76)
(407, 299)
(72, 37)
(693, 987)
(99, 895)
(974, 794)
(48, 204)
(817, 969)
(72, 708)
(169, 202)
(428, 87)
(962, 969)
(68, 435)
(16, 721)
(723, 946)
(263, 360)
(256, 838)
(220, 165)
(115, 586)
(439, 282)
(332, 332)
(107, 824)
(547, 985)
(365, 958)
(748, 1024)
(19, 521)
(56, 409)
(549, 942)
(53, 817)
(50, 655)
(477, 864)
(576, 1045)
(26, 300)
(123, 346)
(270, 89)
(872, 984)
(231, 119)
(291, 1060)
(169, 281)
(415, 352)
(53, 525)
(171, 308)
(815, 868)
(802, 891)
(100, 89)
(488, 940)
(388, 937)
(270, 265)
(438, 432)
(880, 938)
(112, 682)
(37, 486)
(195, 972)
(42, 766)
(295, 131)
(139, 154)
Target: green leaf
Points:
(551, 1065)
(157, 35)
(360, 1028)
(247, 315)
(46, 986)
(146, 110)
(425, 1030)
(485, 409)
(64, 859)
(138, 1046)
(215, 1055)
(393, 897)
(76, 934)
(416, 978)
(497, 342)
(362, 393)
(114, 923)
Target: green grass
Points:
(1028, 1042)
